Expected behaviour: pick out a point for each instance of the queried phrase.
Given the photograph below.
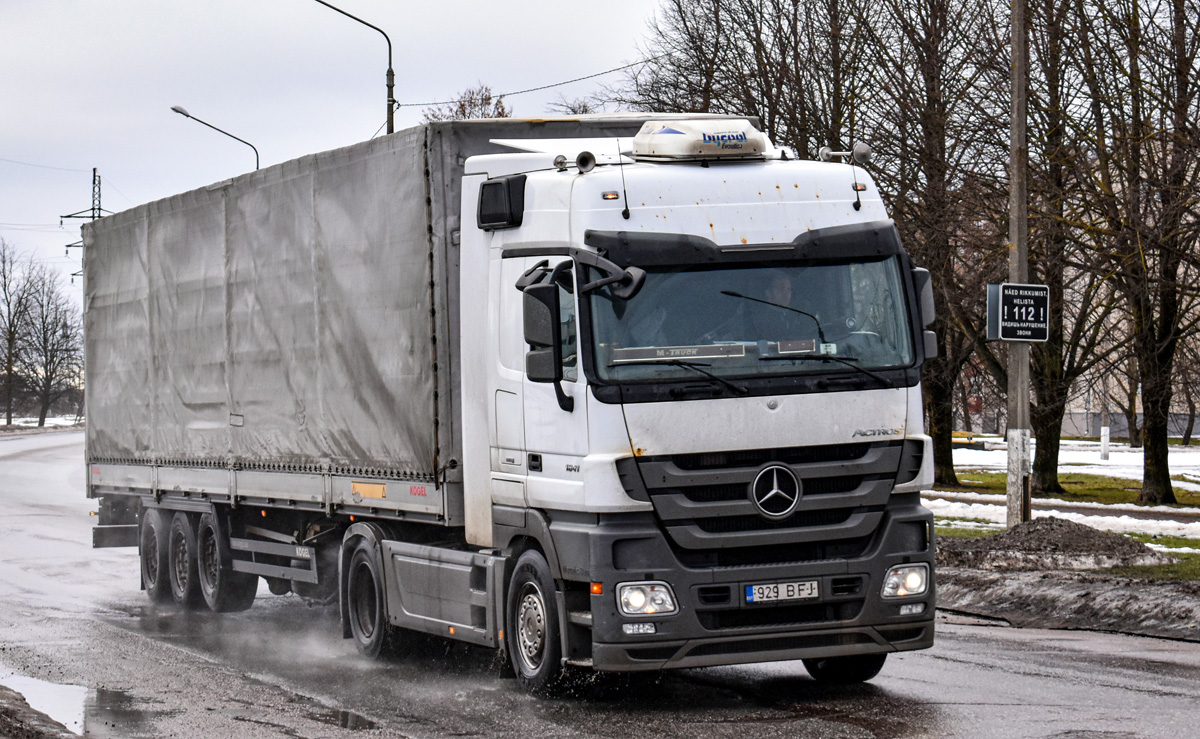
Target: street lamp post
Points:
(180, 110)
(391, 77)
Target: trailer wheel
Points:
(185, 582)
(152, 553)
(532, 627)
(366, 605)
(844, 670)
(223, 589)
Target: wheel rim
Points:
(531, 626)
(364, 600)
(180, 563)
(150, 547)
(208, 560)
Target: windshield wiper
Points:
(820, 332)
(830, 358)
(694, 366)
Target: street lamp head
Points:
(179, 109)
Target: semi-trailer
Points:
(619, 393)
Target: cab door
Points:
(556, 439)
(506, 411)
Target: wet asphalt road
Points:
(106, 662)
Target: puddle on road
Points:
(63, 703)
(343, 719)
(104, 714)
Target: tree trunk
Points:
(44, 401)
(965, 402)
(1191, 406)
(9, 375)
(1046, 419)
(1156, 472)
(939, 404)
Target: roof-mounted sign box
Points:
(1018, 312)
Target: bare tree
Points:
(52, 359)
(690, 45)
(576, 106)
(1140, 66)
(940, 129)
(474, 102)
(19, 276)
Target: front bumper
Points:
(714, 625)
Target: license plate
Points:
(775, 591)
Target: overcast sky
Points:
(90, 83)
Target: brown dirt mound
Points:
(1046, 543)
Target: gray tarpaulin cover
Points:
(285, 319)
(280, 320)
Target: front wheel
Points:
(845, 670)
(532, 628)
(223, 589)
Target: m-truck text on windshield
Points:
(602, 393)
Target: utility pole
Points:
(90, 214)
(391, 76)
(1019, 458)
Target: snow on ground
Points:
(54, 421)
(1084, 457)
(1079, 457)
(1061, 503)
(996, 514)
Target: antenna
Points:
(621, 166)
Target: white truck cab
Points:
(694, 371)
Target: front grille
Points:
(775, 644)
(652, 653)
(773, 554)
(759, 457)
(737, 491)
(702, 502)
(756, 523)
(756, 617)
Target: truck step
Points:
(580, 618)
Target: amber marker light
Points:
(597, 588)
(611, 195)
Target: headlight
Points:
(904, 580)
(646, 599)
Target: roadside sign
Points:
(1018, 312)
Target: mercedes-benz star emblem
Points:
(775, 492)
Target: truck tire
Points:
(185, 582)
(152, 554)
(366, 604)
(844, 670)
(223, 589)
(532, 627)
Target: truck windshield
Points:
(804, 317)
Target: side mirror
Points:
(543, 363)
(543, 334)
(924, 285)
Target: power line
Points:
(543, 87)
(41, 166)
